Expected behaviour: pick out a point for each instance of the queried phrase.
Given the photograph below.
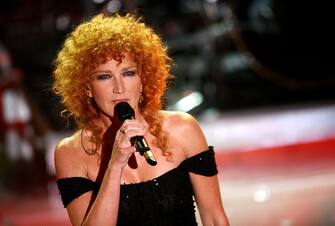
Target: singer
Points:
(102, 176)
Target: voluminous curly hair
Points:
(98, 40)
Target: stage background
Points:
(257, 74)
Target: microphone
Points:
(124, 111)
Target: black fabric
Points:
(164, 201)
(202, 163)
(71, 188)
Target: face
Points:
(115, 82)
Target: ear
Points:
(89, 92)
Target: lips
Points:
(116, 101)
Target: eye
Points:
(129, 73)
(103, 76)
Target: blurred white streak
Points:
(98, 1)
(262, 193)
(269, 127)
(188, 102)
(114, 6)
(241, 189)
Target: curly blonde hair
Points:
(98, 40)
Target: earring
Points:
(88, 92)
(140, 101)
(89, 100)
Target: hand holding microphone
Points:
(124, 111)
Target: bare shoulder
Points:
(67, 146)
(180, 121)
(68, 157)
(185, 131)
(177, 116)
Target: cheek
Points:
(101, 96)
(101, 89)
(138, 86)
(136, 92)
(104, 104)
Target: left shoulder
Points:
(173, 117)
(185, 131)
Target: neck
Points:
(104, 122)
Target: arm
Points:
(104, 209)
(70, 163)
(208, 199)
(79, 210)
(206, 189)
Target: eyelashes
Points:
(129, 73)
(104, 76)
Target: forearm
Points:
(218, 219)
(104, 210)
(221, 221)
(216, 222)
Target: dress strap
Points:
(73, 187)
(202, 163)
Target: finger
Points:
(131, 128)
(132, 132)
(133, 123)
(127, 150)
(122, 155)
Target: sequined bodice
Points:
(164, 201)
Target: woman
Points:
(103, 180)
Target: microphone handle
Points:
(142, 147)
(149, 157)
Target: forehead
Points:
(125, 61)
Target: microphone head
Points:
(124, 111)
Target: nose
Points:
(118, 86)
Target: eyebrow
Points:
(109, 71)
(130, 67)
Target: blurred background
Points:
(257, 74)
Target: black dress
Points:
(164, 201)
